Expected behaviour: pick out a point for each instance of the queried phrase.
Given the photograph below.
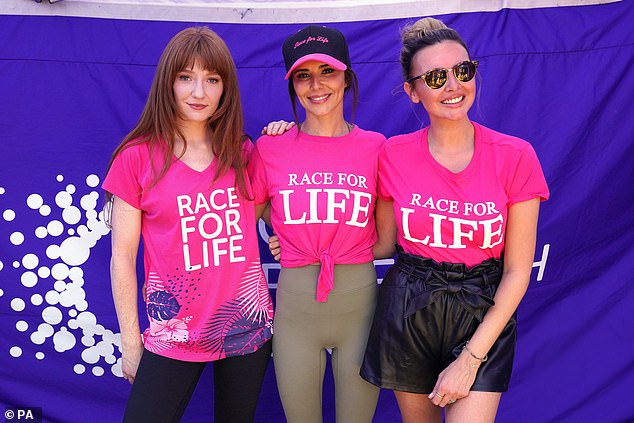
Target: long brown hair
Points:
(157, 124)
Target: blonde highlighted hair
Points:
(421, 34)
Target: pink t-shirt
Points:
(322, 192)
(207, 297)
(458, 217)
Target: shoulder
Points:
(504, 143)
(266, 142)
(403, 141)
(370, 136)
(136, 151)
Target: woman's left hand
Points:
(455, 381)
(274, 247)
(277, 127)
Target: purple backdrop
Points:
(71, 88)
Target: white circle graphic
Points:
(30, 261)
(16, 238)
(8, 215)
(34, 201)
(28, 279)
(17, 304)
(36, 299)
(92, 181)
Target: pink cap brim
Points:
(320, 57)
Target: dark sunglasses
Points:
(437, 78)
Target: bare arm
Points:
(519, 252)
(385, 228)
(263, 211)
(126, 233)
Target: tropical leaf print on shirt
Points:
(241, 325)
(230, 331)
(254, 292)
(161, 305)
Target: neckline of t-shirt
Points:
(321, 139)
(424, 146)
(185, 165)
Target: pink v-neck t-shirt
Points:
(207, 297)
(322, 192)
(458, 217)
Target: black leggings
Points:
(163, 387)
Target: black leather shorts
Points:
(425, 314)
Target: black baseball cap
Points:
(315, 42)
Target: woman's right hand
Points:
(274, 247)
(277, 127)
(131, 357)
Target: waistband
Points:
(455, 279)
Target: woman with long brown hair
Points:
(178, 181)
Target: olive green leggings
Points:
(304, 329)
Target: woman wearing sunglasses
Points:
(457, 197)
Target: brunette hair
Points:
(157, 125)
(424, 33)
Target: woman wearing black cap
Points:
(320, 179)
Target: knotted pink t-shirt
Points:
(322, 192)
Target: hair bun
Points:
(421, 28)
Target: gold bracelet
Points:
(480, 359)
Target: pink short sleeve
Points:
(123, 176)
(257, 174)
(527, 181)
(386, 183)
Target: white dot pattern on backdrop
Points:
(16, 238)
(55, 228)
(28, 279)
(63, 244)
(8, 215)
(30, 261)
(34, 201)
(17, 304)
(43, 272)
(45, 210)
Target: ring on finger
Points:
(451, 401)
(439, 396)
